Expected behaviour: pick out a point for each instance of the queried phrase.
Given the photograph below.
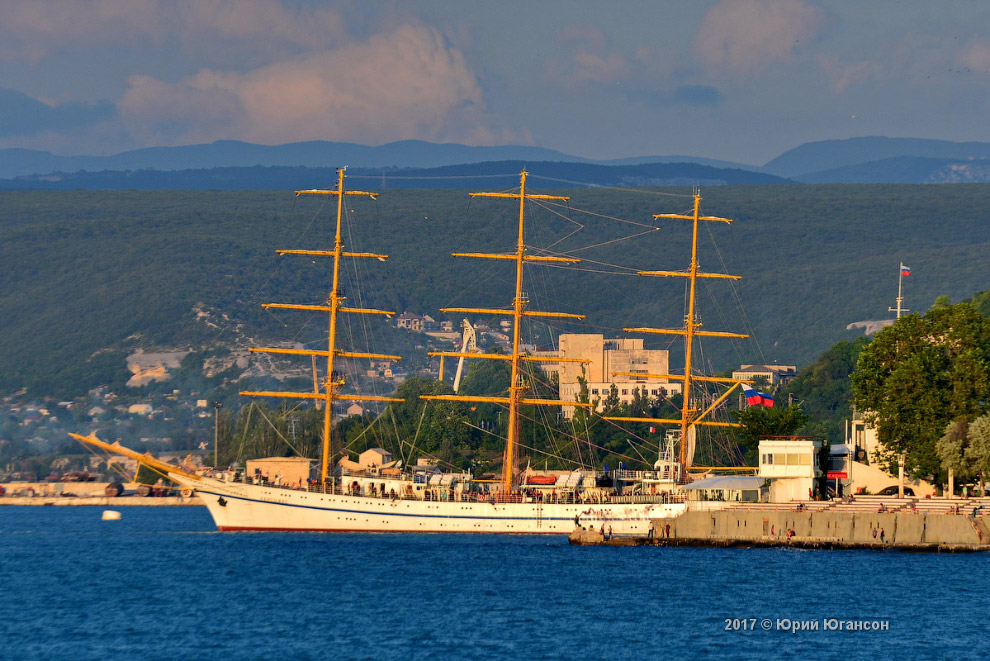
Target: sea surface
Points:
(161, 583)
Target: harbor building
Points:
(605, 358)
(791, 464)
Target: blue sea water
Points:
(161, 583)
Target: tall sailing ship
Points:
(389, 497)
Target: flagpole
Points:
(900, 298)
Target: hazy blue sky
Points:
(740, 80)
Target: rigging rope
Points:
(639, 191)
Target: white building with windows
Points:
(791, 464)
(605, 358)
(774, 374)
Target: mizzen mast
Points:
(691, 416)
(334, 306)
(516, 386)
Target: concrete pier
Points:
(754, 528)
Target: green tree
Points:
(981, 301)
(150, 476)
(952, 448)
(978, 452)
(763, 422)
(920, 374)
(438, 428)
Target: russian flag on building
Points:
(767, 399)
(905, 270)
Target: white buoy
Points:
(111, 515)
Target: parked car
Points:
(892, 491)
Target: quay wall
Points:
(900, 528)
(103, 501)
(83, 493)
(60, 488)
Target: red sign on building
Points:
(837, 475)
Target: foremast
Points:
(333, 307)
(516, 388)
(691, 416)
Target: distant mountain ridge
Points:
(870, 159)
(319, 153)
(807, 160)
(905, 170)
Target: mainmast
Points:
(518, 311)
(690, 416)
(334, 306)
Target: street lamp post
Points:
(900, 475)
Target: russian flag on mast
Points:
(905, 270)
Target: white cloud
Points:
(593, 68)
(31, 30)
(976, 57)
(747, 36)
(589, 35)
(404, 84)
(843, 74)
(585, 60)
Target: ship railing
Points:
(656, 475)
(658, 498)
(271, 483)
(445, 495)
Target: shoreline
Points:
(100, 501)
(596, 539)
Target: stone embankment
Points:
(83, 493)
(933, 528)
(120, 501)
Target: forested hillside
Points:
(89, 276)
(449, 177)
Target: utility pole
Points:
(216, 433)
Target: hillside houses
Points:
(418, 323)
(774, 374)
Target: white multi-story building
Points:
(605, 358)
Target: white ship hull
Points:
(238, 506)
